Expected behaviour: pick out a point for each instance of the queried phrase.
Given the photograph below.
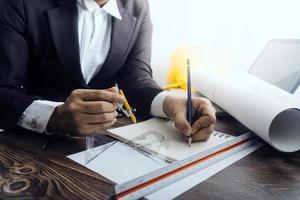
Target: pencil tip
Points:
(189, 141)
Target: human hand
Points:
(86, 112)
(204, 118)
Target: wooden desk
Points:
(27, 172)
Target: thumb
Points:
(112, 89)
(117, 97)
(182, 124)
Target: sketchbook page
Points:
(270, 118)
(162, 138)
(119, 163)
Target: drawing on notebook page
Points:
(150, 139)
(160, 137)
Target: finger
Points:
(89, 129)
(182, 124)
(96, 107)
(98, 118)
(203, 122)
(207, 110)
(99, 128)
(206, 101)
(203, 134)
(112, 89)
(206, 116)
(202, 101)
(99, 95)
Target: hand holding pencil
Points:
(194, 117)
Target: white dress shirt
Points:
(94, 35)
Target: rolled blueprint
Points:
(268, 111)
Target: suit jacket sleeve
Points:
(14, 59)
(135, 78)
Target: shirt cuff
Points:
(37, 115)
(157, 109)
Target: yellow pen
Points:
(127, 107)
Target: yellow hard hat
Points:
(177, 73)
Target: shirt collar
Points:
(111, 7)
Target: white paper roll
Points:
(268, 111)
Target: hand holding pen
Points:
(194, 117)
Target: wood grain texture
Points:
(30, 175)
(27, 172)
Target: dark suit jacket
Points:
(39, 55)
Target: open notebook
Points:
(160, 137)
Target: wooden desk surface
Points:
(27, 172)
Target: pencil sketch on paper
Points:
(149, 139)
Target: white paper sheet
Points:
(119, 163)
(268, 111)
(81, 157)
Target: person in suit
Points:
(60, 61)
